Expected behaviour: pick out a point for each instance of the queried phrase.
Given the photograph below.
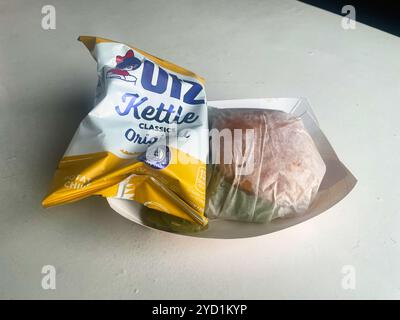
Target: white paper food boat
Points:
(337, 183)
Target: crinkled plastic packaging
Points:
(286, 172)
(270, 168)
(146, 139)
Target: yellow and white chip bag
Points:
(146, 139)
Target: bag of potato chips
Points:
(146, 139)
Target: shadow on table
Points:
(383, 14)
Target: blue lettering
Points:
(147, 76)
(192, 93)
(176, 87)
(131, 104)
(132, 136)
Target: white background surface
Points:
(247, 49)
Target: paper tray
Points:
(337, 183)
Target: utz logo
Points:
(125, 65)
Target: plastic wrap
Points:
(272, 170)
(337, 182)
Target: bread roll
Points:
(287, 170)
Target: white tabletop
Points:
(244, 50)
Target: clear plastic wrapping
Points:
(267, 168)
(231, 200)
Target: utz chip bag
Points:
(146, 139)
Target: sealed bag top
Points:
(146, 139)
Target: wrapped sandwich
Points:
(271, 170)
